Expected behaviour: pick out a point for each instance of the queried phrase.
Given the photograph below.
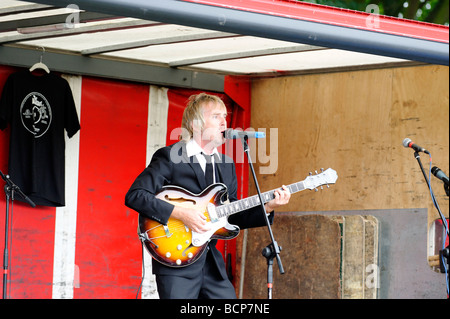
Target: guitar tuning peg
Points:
(315, 189)
(321, 169)
(310, 174)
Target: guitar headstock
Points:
(325, 178)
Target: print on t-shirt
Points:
(36, 114)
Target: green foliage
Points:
(433, 11)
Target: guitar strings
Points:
(171, 227)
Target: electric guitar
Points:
(175, 245)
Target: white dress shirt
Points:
(193, 149)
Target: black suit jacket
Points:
(170, 165)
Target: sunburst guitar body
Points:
(175, 244)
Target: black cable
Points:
(143, 272)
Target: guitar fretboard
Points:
(249, 202)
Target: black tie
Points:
(208, 170)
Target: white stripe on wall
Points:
(158, 106)
(65, 272)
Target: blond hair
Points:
(194, 112)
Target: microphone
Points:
(440, 174)
(16, 189)
(235, 134)
(408, 143)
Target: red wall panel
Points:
(31, 271)
(112, 154)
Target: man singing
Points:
(186, 164)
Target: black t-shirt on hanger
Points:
(38, 108)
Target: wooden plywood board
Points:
(355, 122)
(310, 256)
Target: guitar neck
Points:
(249, 202)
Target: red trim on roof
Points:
(336, 16)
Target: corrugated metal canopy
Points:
(164, 53)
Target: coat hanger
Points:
(40, 64)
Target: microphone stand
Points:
(10, 188)
(272, 250)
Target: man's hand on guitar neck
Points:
(282, 197)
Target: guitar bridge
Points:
(166, 230)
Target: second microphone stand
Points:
(10, 190)
(272, 250)
(444, 256)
